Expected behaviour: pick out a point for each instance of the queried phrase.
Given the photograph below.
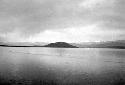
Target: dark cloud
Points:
(33, 16)
(114, 18)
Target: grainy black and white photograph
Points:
(62, 42)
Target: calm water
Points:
(62, 66)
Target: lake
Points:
(61, 66)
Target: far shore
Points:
(111, 47)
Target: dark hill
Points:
(60, 45)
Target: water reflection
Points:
(55, 66)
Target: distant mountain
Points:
(60, 45)
(107, 44)
(21, 44)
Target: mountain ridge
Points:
(60, 45)
(104, 44)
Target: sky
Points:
(62, 20)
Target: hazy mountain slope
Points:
(108, 44)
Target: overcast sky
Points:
(62, 20)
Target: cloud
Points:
(25, 18)
(92, 4)
(32, 16)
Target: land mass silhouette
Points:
(60, 45)
(118, 44)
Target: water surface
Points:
(62, 66)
